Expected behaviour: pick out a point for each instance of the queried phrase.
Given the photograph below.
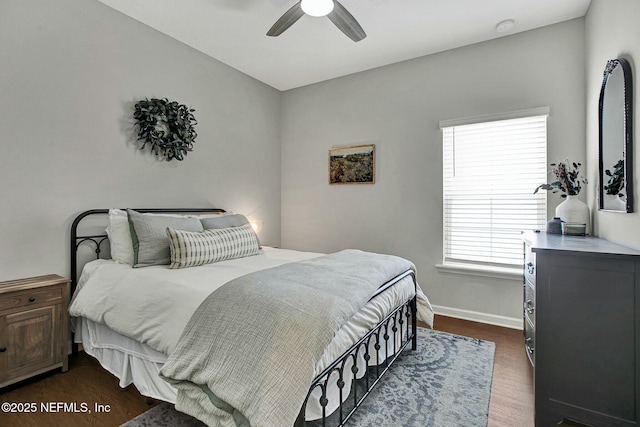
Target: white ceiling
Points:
(313, 49)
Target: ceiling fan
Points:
(335, 11)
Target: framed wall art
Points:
(352, 165)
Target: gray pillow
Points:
(149, 236)
(226, 221)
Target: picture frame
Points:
(353, 164)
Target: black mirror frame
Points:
(628, 133)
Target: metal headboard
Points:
(98, 239)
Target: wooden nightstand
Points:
(33, 327)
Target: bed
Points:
(148, 326)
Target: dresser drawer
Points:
(529, 305)
(51, 294)
(530, 341)
(529, 264)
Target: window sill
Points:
(507, 273)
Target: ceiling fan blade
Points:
(288, 19)
(346, 22)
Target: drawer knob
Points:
(529, 348)
(3, 349)
(528, 306)
(530, 267)
(32, 299)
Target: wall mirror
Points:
(615, 118)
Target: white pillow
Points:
(120, 234)
(120, 237)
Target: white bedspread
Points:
(152, 305)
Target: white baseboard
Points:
(476, 316)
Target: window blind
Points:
(490, 172)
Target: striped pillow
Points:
(191, 248)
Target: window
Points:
(492, 165)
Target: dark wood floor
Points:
(87, 382)
(511, 402)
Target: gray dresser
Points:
(582, 329)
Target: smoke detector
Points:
(505, 26)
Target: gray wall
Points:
(71, 72)
(398, 108)
(612, 31)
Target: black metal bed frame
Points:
(394, 329)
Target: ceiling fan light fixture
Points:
(317, 7)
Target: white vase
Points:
(614, 203)
(574, 210)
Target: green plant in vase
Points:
(568, 180)
(569, 183)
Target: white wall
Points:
(612, 31)
(398, 108)
(70, 73)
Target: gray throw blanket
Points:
(248, 354)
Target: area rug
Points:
(446, 382)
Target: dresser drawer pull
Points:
(528, 306)
(530, 267)
(32, 299)
(3, 349)
(529, 348)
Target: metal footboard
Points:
(391, 336)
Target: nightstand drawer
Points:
(26, 298)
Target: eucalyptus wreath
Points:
(167, 126)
